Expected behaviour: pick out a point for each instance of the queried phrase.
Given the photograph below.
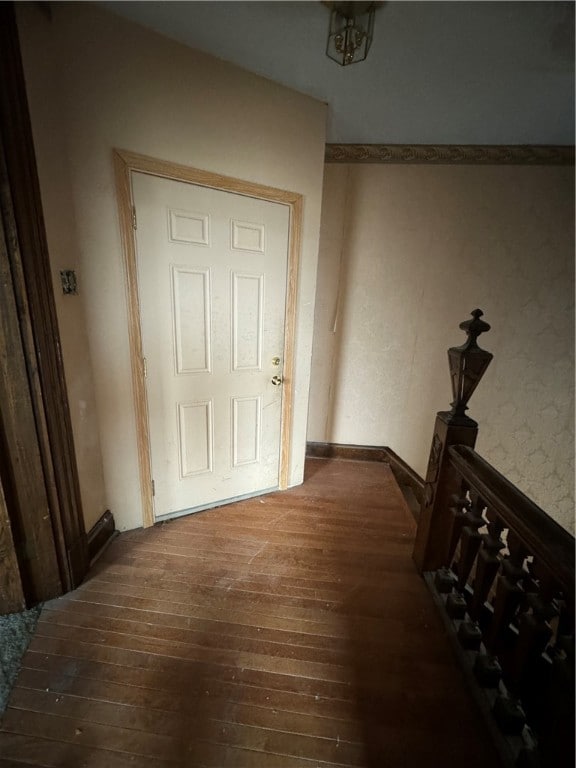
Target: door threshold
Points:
(212, 505)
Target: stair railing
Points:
(502, 572)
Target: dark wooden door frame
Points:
(38, 473)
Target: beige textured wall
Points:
(416, 249)
(122, 86)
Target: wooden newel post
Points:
(468, 364)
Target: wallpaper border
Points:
(450, 154)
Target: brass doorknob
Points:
(276, 380)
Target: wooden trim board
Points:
(405, 475)
(341, 451)
(126, 163)
(100, 535)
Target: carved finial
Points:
(468, 364)
(475, 326)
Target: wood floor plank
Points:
(215, 595)
(287, 631)
(200, 653)
(54, 752)
(290, 536)
(77, 612)
(358, 600)
(273, 742)
(122, 706)
(306, 560)
(90, 734)
(253, 585)
(190, 637)
(188, 672)
(395, 568)
(329, 624)
(234, 637)
(100, 731)
(109, 681)
(132, 568)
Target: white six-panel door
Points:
(212, 286)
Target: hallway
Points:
(285, 631)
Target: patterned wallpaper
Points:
(527, 430)
(416, 248)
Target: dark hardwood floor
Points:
(286, 631)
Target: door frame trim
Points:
(40, 496)
(126, 163)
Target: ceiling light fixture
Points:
(350, 32)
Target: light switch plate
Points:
(69, 284)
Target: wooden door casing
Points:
(38, 470)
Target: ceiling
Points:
(437, 72)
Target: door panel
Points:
(191, 302)
(212, 284)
